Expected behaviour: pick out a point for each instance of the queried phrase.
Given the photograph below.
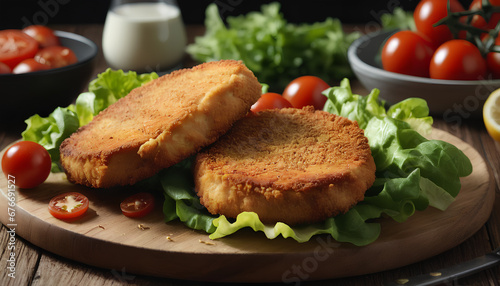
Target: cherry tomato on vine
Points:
(29, 65)
(493, 61)
(68, 205)
(458, 60)
(137, 205)
(16, 46)
(43, 35)
(306, 90)
(478, 21)
(429, 12)
(407, 52)
(270, 100)
(27, 163)
(56, 56)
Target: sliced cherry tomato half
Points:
(27, 163)
(16, 46)
(56, 56)
(68, 205)
(306, 90)
(270, 100)
(43, 35)
(137, 205)
(29, 65)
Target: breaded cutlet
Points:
(159, 124)
(287, 165)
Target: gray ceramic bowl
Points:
(23, 95)
(451, 99)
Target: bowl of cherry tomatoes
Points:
(451, 71)
(41, 69)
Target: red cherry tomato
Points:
(478, 21)
(270, 100)
(29, 65)
(407, 52)
(27, 163)
(56, 56)
(68, 205)
(16, 46)
(458, 60)
(429, 12)
(493, 61)
(306, 90)
(4, 69)
(137, 205)
(43, 35)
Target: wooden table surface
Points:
(35, 266)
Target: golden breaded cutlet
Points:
(287, 165)
(159, 124)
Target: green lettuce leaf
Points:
(50, 131)
(398, 19)
(180, 200)
(106, 89)
(274, 49)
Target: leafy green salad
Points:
(275, 50)
(412, 173)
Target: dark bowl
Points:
(40, 92)
(451, 99)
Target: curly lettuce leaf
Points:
(106, 89)
(274, 49)
(50, 131)
(180, 200)
(398, 19)
(362, 109)
(349, 227)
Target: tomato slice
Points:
(16, 46)
(43, 35)
(56, 56)
(68, 205)
(29, 65)
(137, 205)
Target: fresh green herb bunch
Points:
(275, 50)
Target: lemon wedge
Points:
(491, 115)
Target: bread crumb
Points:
(206, 242)
(142, 227)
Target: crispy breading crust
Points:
(159, 124)
(288, 165)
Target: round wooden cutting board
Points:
(105, 238)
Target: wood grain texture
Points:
(105, 238)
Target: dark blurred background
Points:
(20, 13)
